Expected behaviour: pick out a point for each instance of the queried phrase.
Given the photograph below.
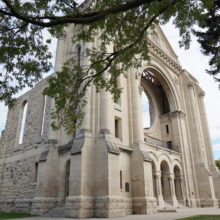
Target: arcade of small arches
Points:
(168, 184)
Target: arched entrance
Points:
(178, 184)
(67, 177)
(165, 182)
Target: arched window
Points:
(43, 116)
(36, 172)
(23, 119)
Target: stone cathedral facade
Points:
(112, 166)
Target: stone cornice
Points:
(177, 113)
(154, 49)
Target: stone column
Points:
(86, 123)
(195, 122)
(138, 134)
(172, 190)
(60, 59)
(204, 180)
(105, 112)
(159, 190)
(182, 189)
(60, 54)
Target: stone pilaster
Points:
(61, 51)
(47, 185)
(195, 123)
(106, 117)
(137, 122)
(206, 133)
(142, 183)
(203, 175)
(181, 139)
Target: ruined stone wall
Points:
(18, 161)
(19, 179)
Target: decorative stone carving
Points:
(77, 146)
(146, 156)
(112, 147)
(43, 156)
(166, 59)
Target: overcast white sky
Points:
(196, 63)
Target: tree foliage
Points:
(217, 162)
(125, 24)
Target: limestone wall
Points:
(18, 161)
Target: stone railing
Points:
(158, 143)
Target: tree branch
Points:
(86, 18)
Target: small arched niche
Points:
(165, 184)
(178, 183)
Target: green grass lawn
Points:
(202, 217)
(14, 215)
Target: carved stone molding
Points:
(163, 56)
(146, 156)
(177, 113)
(43, 156)
(112, 147)
(77, 146)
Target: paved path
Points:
(161, 216)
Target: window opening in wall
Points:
(117, 85)
(145, 106)
(170, 145)
(118, 132)
(116, 128)
(167, 129)
(75, 123)
(78, 54)
(23, 119)
(67, 178)
(127, 187)
(43, 117)
(121, 180)
(36, 172)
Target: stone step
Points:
(166, 210)
(58, 211)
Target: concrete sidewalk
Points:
(181, 213)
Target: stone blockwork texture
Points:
(18, 186)
(112, 206)
(18, 161)
(34, 118)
